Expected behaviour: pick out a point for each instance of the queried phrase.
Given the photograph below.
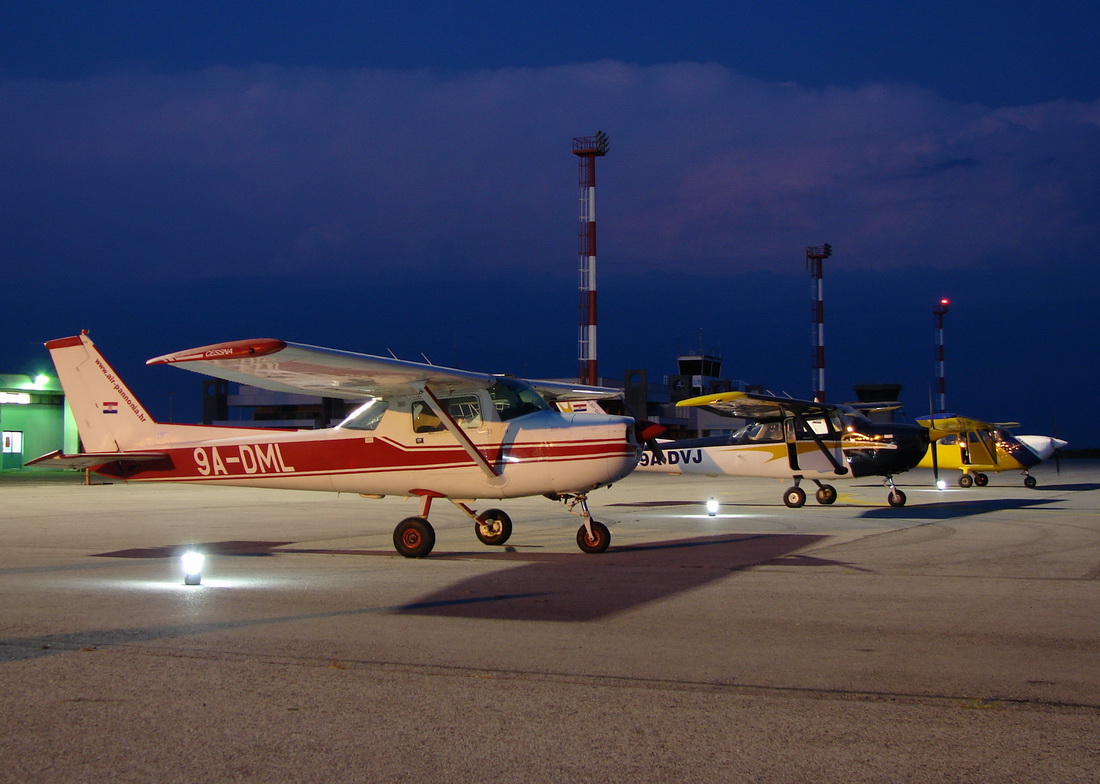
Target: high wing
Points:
(295, 367)
(746, 405)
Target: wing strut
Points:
(459, 434)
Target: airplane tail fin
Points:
(108, 416)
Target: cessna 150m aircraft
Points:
(975, 447)
(424, 431)
(797, 438)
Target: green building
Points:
(34, 420)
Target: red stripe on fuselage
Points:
(284, 458)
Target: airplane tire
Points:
(414, 537)
(601, 538)
(966, 480)
(1030, 481)
(896, 498)
(981, 480)
(826, 494)
(794, 497)
(493, 527)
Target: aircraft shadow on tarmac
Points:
(946, 510)
(563, 586)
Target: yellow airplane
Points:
(976, 447)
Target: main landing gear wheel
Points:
(794, 497)
(896, 498)
(493, 527)
(598, 542)
(826, 494)
(981, 480)
(1030, 481)
(966, 480)
(414, 537)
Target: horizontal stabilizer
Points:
(59, 459)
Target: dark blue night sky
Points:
(398, 176)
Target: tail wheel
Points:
(1030, 481)
(794, 497)
(966, 480)
(597, 542)
(826, 494)
(896, 498)
(981, 480)
(414, 537)
(493, 527)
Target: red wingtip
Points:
(234, 349)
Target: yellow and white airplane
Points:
(977, 448)
(800, 439)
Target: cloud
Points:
(272, 170)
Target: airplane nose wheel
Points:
(826, 494)
(414, 537)
(1030, 481)
(493, 527)
(896, 498)
(597, 542)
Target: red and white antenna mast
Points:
(814, 257)
(938, 311)
(587, 149)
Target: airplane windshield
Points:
(513, 398)
(366, 417)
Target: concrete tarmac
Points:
(955, 639)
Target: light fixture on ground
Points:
(712, 506)
(192, 562)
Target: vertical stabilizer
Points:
(108, 416)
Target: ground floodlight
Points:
(941, 484)
(712, 506)
(192, 567)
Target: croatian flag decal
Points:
(110, 408)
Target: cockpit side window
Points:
(758, 433)
(513, 398)
(465, 410)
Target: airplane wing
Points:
(746, 405)
(298, 368)
(59, 459)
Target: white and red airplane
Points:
(422, 431)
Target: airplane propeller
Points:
(647, 433)
(1057, 449)
(933, 442)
